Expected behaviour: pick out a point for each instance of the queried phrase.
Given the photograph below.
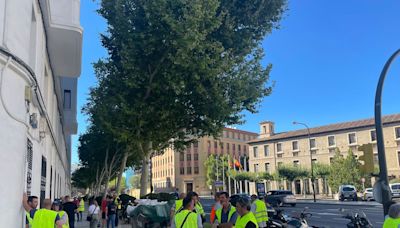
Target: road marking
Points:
(341, 219)
(327, 213)
(379, 223)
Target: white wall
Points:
(25, 38)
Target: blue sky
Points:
(326, 56)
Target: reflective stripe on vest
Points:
(28, 217)
(391, 223)
(178, 205)
(218, 213)
(241, 222)
(81, 206)
(62, 214)
(44, 218)
(190, 222)
(261, 213)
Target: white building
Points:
(40, 62)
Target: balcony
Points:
(64, 35)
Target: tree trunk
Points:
(121, 171)
(106, 184)
(144, 176)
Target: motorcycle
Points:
(357, 219)
(276, 218)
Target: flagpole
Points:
(223, 174)
(246, 181)
(229, 177)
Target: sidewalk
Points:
(85, 224)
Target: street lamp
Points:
(309, 144)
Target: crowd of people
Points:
(61, 212)
(188, 212)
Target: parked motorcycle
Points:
(357, 219)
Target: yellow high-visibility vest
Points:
(199, 209)
(241, 222)
(81, 206)
(261, 211)
(191, 220)
(28, 217)
(178, 205)
(391, 222)
(218, 213)
(61, 214)
(44, 218)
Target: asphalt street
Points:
(326, 213)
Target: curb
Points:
(331, 202)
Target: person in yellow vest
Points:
(42, 218)
(177, 206)
(81, 208)
(259, 210)
(246, 218)
(186, 218)
(393, 218)
(57, 207)
(33, 202)
(225, 216)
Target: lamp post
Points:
(309, 144)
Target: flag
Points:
(237, 164)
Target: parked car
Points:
(347, 192)
(368, 195)
(395, 188)
(280, 198)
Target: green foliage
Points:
(344, 171)
(291, 173)
(113, 183)
(135, 181)
(179, 69)
(214, 166)
(321, 170)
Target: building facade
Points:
(272, 149)
(40, 62)
(186, 170)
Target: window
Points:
(255, 167)
(215, 144)
(189, 170)
(331, 160)
(296, 163)
(295, 145)
(196, 170)
(221, 145)
(266, 150)
(196, 157)
(233, 147)
(196, 144)
(373, 136)
(264, 129)
(239, 148)
(238, 136)
(233, 135)
(227, 147)
(279, 147)
(267, 167)
(313, 144)
(280, 164)
(398, 157)
(209, 144)
(397, 132)
(188, 157)
(255, 152)
(67, 99)
(331, 140)
(295, 154)
(314, 160)
(181, 157)
(279, 155)
(352, 138)
(182, 170)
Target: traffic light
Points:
(367, 158)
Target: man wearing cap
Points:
(259, 210)
(186, 218)
(246, 218)
(43, 218)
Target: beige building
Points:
(186, 170)
(273, 149)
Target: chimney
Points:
(266, 129)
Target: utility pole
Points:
(382, 186)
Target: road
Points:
(326, 213)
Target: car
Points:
(234, 198)
(347, 192)
(395, 188)
(368, 195)
(280, 198)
